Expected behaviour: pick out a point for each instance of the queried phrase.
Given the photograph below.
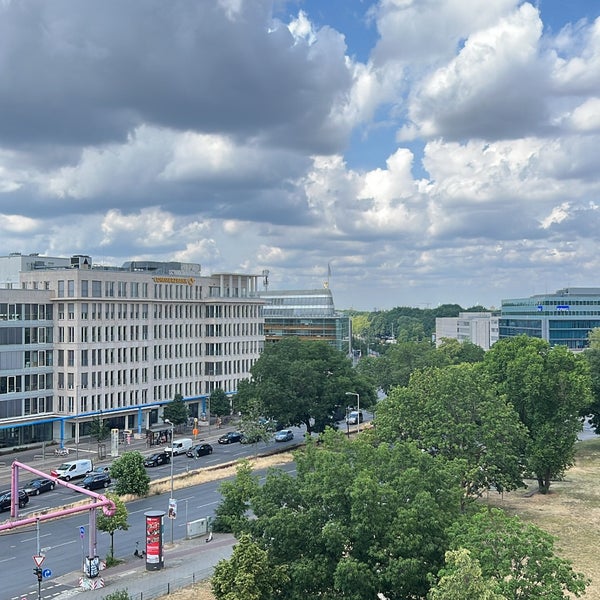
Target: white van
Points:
(73, 469)
(179, 446)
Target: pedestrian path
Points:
(186, 562)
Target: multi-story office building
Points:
(480, 328)
(80, 340)
(307, 314)
(563, 318)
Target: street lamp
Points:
(357, 409)
(171, 499)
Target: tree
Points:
(99, 428)
(518, 557)
(117, 521)
(231, 514)
(253, 424)
(455, 352)
(302, 382)
(248, 574)
(592, 355)
(219, 403)
(176, 411)
(350, 523)
(131, 475)
(461, 579)
(549, 388)
(454, 412)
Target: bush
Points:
(118, 595)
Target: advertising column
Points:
(154, 540)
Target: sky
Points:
(406, 152)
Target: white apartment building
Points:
(121, 341)
(480, 328)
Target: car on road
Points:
(199, 450)
(6, 496)
(230, 437)
(355, 417)
(95, 481)
(285, 435)
(101, 469)
(156, 459)
(39, 485)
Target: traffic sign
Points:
(38, 559)
(46, 573)
(82, 531)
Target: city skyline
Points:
(408, 153)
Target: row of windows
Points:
(15, 384)
(26, 312)
(10, 336)
(17, 407)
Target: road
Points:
(65, 549)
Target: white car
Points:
(284, 435)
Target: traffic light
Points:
(38, 571)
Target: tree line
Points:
(394, 513)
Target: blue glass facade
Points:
(563, 318)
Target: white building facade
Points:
(126, 340)
(480, 328)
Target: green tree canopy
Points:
(248, 574)
(549, 388)
(99, 428)
(131, 475)
(351, 523)
(116, 522)
(219, 403)
(454, 412)
(518, 557)
(302, 382)
(461, 579)
(176, 411)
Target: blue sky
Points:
(428, 151)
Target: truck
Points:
(180, 446)
(73, 469)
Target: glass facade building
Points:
(307, 314)
(563, 318)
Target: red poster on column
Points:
(153, 539)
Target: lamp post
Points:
(172, 456)
(357, 409)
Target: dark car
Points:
(5, 499)
(285, 435)
(95, 481)
(230, 437)
(159, 458)
(39, 485)
(199, 450)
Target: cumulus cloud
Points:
(458, 157)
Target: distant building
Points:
(307, 314)
(563, 318)
(80, 341)
(480, 328)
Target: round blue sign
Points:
(46, 573)
(82, 531)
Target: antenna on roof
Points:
(265, 275)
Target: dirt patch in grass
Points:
(570, 512)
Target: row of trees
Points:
(394, 512)
(364, 519)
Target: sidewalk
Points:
(187, 562)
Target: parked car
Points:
(285, 435)
(355, 417)
(101, 469)
(230, 437)
(159, 458)
(39, 485)
(5, 499)
(199, 450)
(95, 481)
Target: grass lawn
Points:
(570, 512)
